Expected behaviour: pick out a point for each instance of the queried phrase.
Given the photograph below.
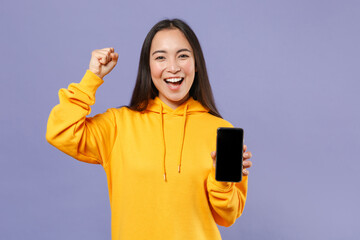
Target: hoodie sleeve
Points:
(227, 199)
(68, 129)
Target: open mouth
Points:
(174, 81)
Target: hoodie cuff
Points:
(222, 186)
(90, 81)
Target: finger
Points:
(114, 57)
(247, 155)
(107, 52)
(247, 164)
(244, 149)
(102, 57)
(110, 49)
(245, 172)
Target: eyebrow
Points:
(180, 50)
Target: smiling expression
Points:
(172, 66)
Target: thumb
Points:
(213, 156)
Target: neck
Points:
(173, 104)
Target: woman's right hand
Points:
(103, 61)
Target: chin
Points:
(177, 98)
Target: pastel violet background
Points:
(285, 71)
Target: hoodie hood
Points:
(189, 107)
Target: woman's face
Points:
(172, 66)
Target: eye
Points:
(160, 58)
(183, 56)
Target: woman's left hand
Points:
(246, 162)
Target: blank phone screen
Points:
(229, 154)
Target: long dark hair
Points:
(145, 89)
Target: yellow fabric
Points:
(137, 150)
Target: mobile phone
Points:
(229, 154)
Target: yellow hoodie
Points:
(159, 170)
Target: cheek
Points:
(189, 68)
(156, 70)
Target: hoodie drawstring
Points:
(182, 139)
(182, 136)
(163, 137)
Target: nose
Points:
(173, 67)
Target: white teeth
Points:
(173, 79)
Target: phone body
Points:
(229, 154)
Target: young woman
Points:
(158, 153)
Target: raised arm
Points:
(68, 129)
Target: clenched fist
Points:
(103, 61)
